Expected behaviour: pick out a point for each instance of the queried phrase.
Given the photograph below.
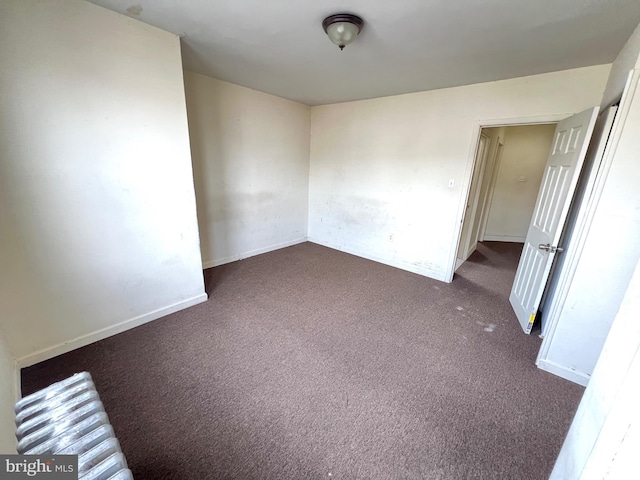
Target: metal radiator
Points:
(67, 418)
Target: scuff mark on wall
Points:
(134, 10)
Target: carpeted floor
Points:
(308, 363)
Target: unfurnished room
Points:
(319, 240)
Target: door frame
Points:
(471, 210)
(471, 159)
(486, 207)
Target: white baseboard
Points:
(503, 238)
(103, 333)
(251, 253)
(409, 267)
(459, 262)
(580, 378)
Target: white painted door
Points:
(559, 181)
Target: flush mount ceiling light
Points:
(342, 28)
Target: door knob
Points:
(549, 248)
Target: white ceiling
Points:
(279, 47)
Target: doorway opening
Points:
(546, 220)
(507, 173)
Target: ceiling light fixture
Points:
(342, 28)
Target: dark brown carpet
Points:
(311, 363)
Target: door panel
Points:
(559, 182)
(556, 183)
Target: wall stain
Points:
(134, 10)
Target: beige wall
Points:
(524, 156)
(97, 207)
(251, 167)
(8, 384)
(380, 169)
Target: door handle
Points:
(549, 248)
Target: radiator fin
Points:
(68, 418)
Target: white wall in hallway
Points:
(380, 168)
(524, 156)
(97, 207)
(251, 168)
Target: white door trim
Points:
(468, 244)
(462, 203)
(488, 200)
(565, 372)
(585, 217)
